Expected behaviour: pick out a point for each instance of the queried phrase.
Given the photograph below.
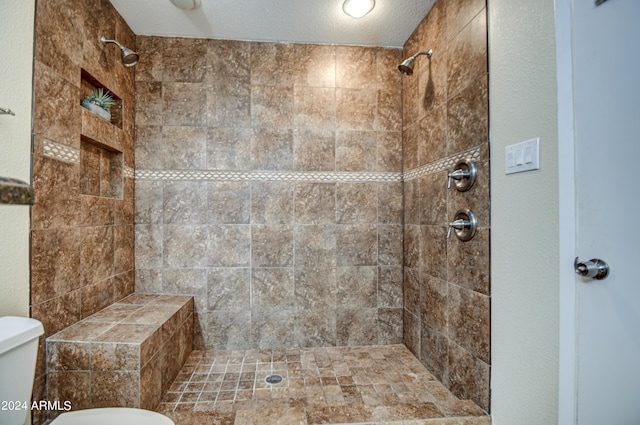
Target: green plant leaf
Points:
(101, 98)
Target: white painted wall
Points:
(16, 69)
(524, 214)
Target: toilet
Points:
(18, 351)
(112, 416)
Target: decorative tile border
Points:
(308, 177)
(442, 164)
(128, 172)
(71, 155)
(60, 152)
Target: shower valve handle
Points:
(464, 224)
(458, 174)
(464, 173)
(458, 225)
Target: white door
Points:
(606, 77)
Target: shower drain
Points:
(273, 379)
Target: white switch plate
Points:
(523, 156)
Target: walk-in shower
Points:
(129, 57)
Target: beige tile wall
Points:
(447, 282)
(273, 262)
(82, 255)
(279, 260)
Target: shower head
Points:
(129, 57)
(406, 67)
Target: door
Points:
(606, 78)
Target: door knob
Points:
(594, 268)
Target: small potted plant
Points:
(99, 103)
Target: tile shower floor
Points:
(336, 385)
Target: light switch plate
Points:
(523, 156)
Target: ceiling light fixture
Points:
(186, 4)
(358, 8)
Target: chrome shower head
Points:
(129, 57)
(406, 67)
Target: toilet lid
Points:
(112, 416)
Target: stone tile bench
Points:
(126, 355)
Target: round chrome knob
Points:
(594, 268)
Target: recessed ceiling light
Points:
(186, 4)
(358, 8)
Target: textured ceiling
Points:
(295, 21)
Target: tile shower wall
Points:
(82, 255)
(268, 186)
(446, 282)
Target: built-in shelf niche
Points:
(101, 158)
(89, 83)
(101, 170)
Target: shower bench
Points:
(126, 355)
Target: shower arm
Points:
(106, 40)
(428, 53)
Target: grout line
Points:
(366, 361)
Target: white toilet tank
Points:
(18, 351)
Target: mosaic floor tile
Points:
(327, 385)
